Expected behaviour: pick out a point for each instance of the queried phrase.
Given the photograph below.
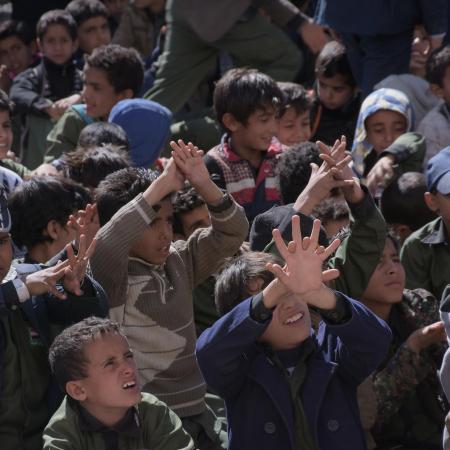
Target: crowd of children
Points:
(281, 281)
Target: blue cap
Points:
(438, 172)
(147, 125)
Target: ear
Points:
(230, 122)
(126, 94)
(53, 229)
(430, 200)
(437, 90)
(76, 391)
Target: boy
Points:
(436, 124)
(425, 254)
(246, 104)
(294, 124)
(263, 352)
(111, 73)
(93, 30)
(31, 305)
(104, 407)
(42, 94)
(150, 279)
(336, 108)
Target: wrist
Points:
(304, 204)
(323, 298)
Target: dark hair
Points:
(242, 91)
(232, 283)
(67, 357)
(294, 96)
(90, 166)
(56, 17)
(294, 170)
(330, 210)
(402, 202)
(20, 30)
(119, 188)
(185, 200)
(82, 10)
(333, 60)
(437, 64)
(34, 203)
(123, 66)
(5, 103)
(101, 133)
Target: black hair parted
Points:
(10, 28)
(294, 96)
(242, 91)
(119, 188)
(103, 133)
(123, 66)
(56, 17)
(68, 361)
(437, 64)
(36, 202)
(82, 10)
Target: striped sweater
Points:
(154, 304)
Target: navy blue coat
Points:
(257, 395)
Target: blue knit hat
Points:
(147, 125)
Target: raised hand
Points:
(426, 336)
(44, 281)
(381, 173)
(86, 222)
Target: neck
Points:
(382, 310)
(41, 253)
(107, 416)
(254, 157)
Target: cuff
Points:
(225, 203)
(258, 311)
(340, 314)
(400, 152)
(364, 208)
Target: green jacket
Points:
(159, 429)
(16, 167)
(425, 255)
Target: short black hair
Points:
(437, 64)
(185, 200)
(34, 203)
(330, 210)
(101, 133)
(90, 166)
(402, 201)
(294, 96)
(68, 361)
(232, 283)
(119, 188)
(294, 170)
(20, 30)
(333, 60)
(82, 10)
(56, 17)
(5, 103)
(123, 66)
(242, 91)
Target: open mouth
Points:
(293, 319)
(129, 385)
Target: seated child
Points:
(42, 94)
(335, 110)
(246, 104)
(384, 146)
(424, 254)
(285, 386)
(435, 125)
(104, 407)
(403, 205)
(111, 73)
(294, 124)
(149, 279)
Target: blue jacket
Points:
(257, 395)
(371, 17)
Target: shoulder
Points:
(151, 410)
(415, 239)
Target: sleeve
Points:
(60, 435)
(16, 167)
(434, 16)
(8, 297)
(282, 12)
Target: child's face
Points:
(5, 254)
(115, 7)
(383, 128)
(93, 33)
(99, 94)
(388, 280)
(290, 325)
(57, 44)
(197, 218)
(104, 392)
(6, 135)
(15, 54)
(154, 244)
(294, 128)
(334, 92)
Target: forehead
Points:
(385, 117)
(11, 41)
(93, 75)
(292, 114)
(93, 22)
(4, 115)
(105, 345)
(336, 81)
(56, 29)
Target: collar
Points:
(274, 149)
(437, 236)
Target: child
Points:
(294, 122)
(246, 104)
(104, 408)
(263, 352)
(40, 209)
(335, 110)
(42, 94)
(93, 30)
(334, 215)
(111, 73)
(150, 280)
(435, 125)
(425, 253)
